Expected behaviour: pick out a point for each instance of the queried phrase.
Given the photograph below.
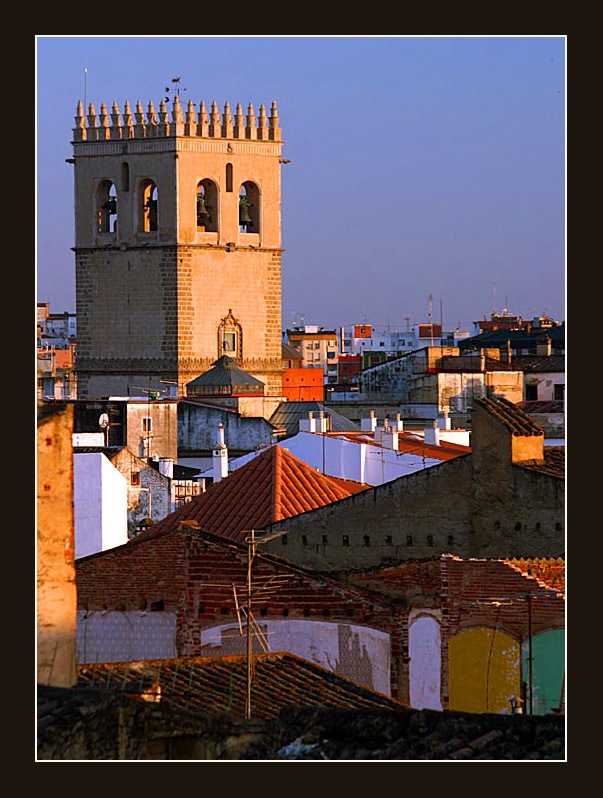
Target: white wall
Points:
(424, 646)
(100, 499)
(356, 653)
(358, 461)
(125, 636)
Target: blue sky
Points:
(419, 165)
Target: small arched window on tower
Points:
(207, 207)
(107, 207)
(148, 207)
(229, 177)
(125, 176)
(230, 339)
(249, 208)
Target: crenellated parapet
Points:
(118, 125)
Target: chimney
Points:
(220, 457)
(543, 347)
(369, 424)
(322, 422)
(398, 424)
(166, 466)
(308, 424)
(444, 422)
(389, 438)
(432, 434)
(508, 354)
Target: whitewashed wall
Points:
(125, 636)
(425, 650)
(100, 499)
(357, 653)
(358, 461)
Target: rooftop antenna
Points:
(85, 86)
(430, 319)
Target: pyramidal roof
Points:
(275, 485)
(225, 371)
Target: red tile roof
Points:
(408, 443)
(217, 686)
(511, 416)
(549, 571)
(275, 485)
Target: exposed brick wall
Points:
(194, 573)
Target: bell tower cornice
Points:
(92, 128)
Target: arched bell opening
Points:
(249, 208)
(207, 207)
(148, 201)
(106, 207)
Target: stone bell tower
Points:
(177, 245)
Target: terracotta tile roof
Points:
(542, 406)
(553, 464)
(409, 443)
(271, 487)
(549, 571)
(217, 686)
(539, 363)
(511, 416)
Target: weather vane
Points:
(176, 81)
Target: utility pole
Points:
(252, 544)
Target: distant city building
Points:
(319, 349)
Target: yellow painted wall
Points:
(484, 671)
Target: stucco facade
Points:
(56, 598)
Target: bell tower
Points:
(177, 245)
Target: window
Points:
(125, 177)
(135, 478)
(409, 540)
(531, 393)
(229, 177)
(346, 540)
(207, 207)
(559, 392)
(147, 424)
(230, 341)
(249, 208)
(430, 540)
(107, 207)
(147, 207)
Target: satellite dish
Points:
(103, 420)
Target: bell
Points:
(111, 205)
(202, 212)
(244, 217)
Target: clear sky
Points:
(419, 165)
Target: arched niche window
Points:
(148, 206)
(230, 339)
(249, 208)
(207, 207)
(229, 177)
(125, 176)
(106, 203)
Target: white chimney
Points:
(322, 422)
(398, 423)
(166, 466)
(444, 422)
(432, 434)
(369, 424)
(220, 457)
(308, 424)
(389, 438)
